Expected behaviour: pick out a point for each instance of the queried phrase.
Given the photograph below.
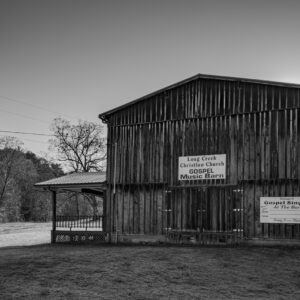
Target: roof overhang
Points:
(92, 183)
(78, 187)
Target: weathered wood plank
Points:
(255, 125)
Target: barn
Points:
(208, 160)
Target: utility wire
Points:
(21, 132)
(23, 116)
(27, 133)
(36, 106)
(33, 141)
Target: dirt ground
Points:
(145, 272)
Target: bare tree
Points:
(81, 146)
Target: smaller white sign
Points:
(280, 210)
(202, 167)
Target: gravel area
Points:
(24, 234)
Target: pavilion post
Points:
(104, 219)
(53, 232)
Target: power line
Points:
(34, 141)
(36, 106)
(21, 132)
(30, 140)
(24, 116)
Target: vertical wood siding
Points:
(256, 125)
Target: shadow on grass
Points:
(61, 271)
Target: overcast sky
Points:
(81, 58)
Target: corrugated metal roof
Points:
(75, 179)
(104, 115)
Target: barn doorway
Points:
(205, 214)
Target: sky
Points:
(76, 59)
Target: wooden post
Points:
(104, 212)
(53, 233)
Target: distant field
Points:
(144, 272)
(24, 233)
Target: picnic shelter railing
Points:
(79, 229)
(77, 222)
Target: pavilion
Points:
(76, 228)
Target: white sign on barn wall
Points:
(280, 210)
(202, 167)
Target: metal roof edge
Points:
(71, 177)
(103, 116)
(37, 185)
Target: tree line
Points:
(79, 147)
(19, 171)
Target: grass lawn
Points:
(145, 272)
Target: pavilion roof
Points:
(76, 182)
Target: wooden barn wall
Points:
(257, 126)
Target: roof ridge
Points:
(103, 115)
